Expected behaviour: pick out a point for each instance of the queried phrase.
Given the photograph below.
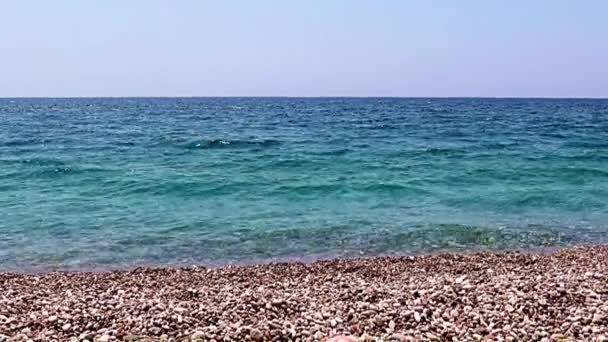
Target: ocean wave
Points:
(316, 189)
(182, 188)
(581, 172)
(38, 167)
(391, 188)
(443, 151)
(429, 151)
(35, 161)
(587, 144)
(522, 201)
(585, 156)
(451, 236)
(53, 172)
(287, 163)
(336, 152)
(209, 144)
(382, 127)
(377, 189)
(20, 142)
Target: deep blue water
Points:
(107, 183)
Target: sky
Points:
(539, 48)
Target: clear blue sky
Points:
(548, 48)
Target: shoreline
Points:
(509, 295)
(46, 268)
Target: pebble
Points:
(155, 331)
(256, 335)
(400, 338)
(454, 297)
(341, 339)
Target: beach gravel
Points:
(510, 296)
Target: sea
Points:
(113, 183)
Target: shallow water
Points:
(105, 183)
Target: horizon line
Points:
(309, 97)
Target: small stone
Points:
(103, 338)
(400, 338)
(197, 335)
(368, 313)
(66, 327)
(274, 325)
(341, 339)
(52, 319)
(432, 337)
(460, 279)
(85, 336)
(256, 335)
(333, 323)
(155, 331)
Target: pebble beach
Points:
(560, 295)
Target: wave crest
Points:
(208, 144)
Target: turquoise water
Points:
(107, 183)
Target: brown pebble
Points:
(256, 335)
(341, 339)
(446, 297)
